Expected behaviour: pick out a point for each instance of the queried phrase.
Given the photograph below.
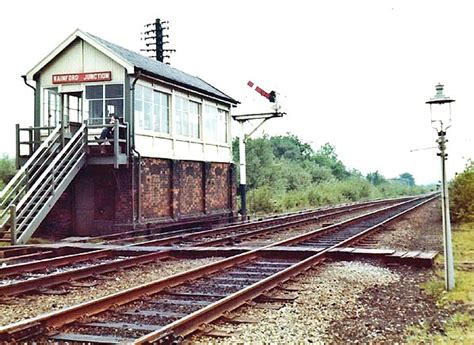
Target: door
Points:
(72, 107)
(53, 108)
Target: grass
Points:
(459, 329)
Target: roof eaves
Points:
(190, 87)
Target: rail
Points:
(251, 274)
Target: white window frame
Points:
(186, 118)
(85, 101)
(216, 140)
(139, 120)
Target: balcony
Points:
(112, 151)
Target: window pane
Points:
(114, 107)
(96, 114)
(165, 126)
(94, 92)
(114, 91)
(138, 92)
(210, 123)
(165, 113)
(148, 116)
(178, 119)
(139, 116)
(222, 126)
(177, 122)
(194, 120)
(147, 94)
(185, 124)
(157, 119)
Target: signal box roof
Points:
(135, 62)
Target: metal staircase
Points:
(33, 191)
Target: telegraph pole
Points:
(154, 40)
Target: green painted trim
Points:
(37, 103)
(128, 104)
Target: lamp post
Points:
(440, 110)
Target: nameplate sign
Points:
(75, 78)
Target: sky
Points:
(355, 74)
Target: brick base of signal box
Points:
(103, 200)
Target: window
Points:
(222, 126)
(215, 124)
(161, 112)
(152, 109)
(104, 99)
(186, 118)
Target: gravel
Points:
(387, 310)
(355, 302)
(330, 293)
(26, 306)
(418, 230)
(285, 234)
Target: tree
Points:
(376, 178)
(407, 178)
(290, 147)
(326, 156)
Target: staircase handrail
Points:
(15, 187)
(50, 168)
(49, 186)
(30, 161)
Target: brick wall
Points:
(179, 189)
(59, 222)
(123, 196)
(156, 188)
(217, 187)
(191, 194)
(105, 191)
(99, 201)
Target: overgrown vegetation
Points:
(7, 169)
(284, 173)
(461, 195)
(460, 327)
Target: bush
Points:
(7, 169)
(294, 200)
(260, 200)
(461, 195)
(284, 173)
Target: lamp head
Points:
(440, 109)
(439, 97)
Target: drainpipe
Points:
(139, 202)
(26, 83)
(35, 133)
(136, 210)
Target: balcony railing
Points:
(114, 150)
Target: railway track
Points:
(166, 310)
(145, 238)
(41, 274)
